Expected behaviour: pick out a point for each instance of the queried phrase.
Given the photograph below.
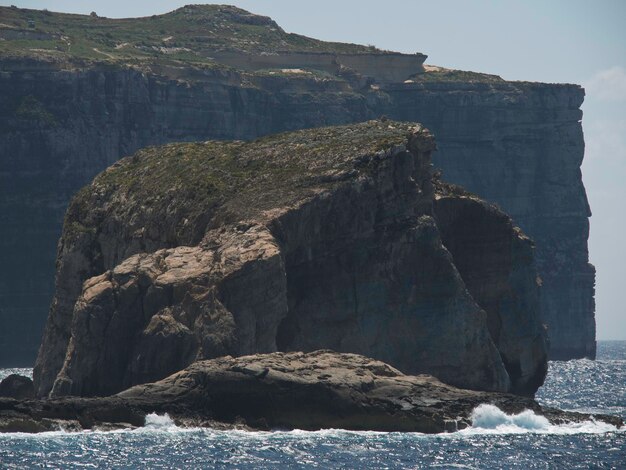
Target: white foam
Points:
(157, 422)
(492, 417)
(486, 419)
(26, 372)
(153, 422)
(489, 419)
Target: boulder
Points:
(17, 386)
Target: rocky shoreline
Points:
(310, 391)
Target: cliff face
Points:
(315, 239)
(63, 127)
(516, 144)
(496, 262)
(521, 145)
(79, 92)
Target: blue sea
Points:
(495, 440)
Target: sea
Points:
(495, 440)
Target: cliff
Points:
(318, 239)
(214, 36)
(70, 112)
(496, 261)
(521, 145)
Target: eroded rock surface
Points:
(315, 239)
(521, 145)
(321, 389)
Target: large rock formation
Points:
(75, 104)
(318, 390)
(496, 261)
(314, 239)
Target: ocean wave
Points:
(162, 422)
(154, 423)
(486, 420)
(489, 419)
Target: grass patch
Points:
(223, 182)
(190, 32)
(31, 109)
(449, 75)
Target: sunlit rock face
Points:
(317, 239)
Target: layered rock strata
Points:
(79, 92)
(315, 239)
(517, 144)
(521, 145)
(312, 391)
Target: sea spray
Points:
(158, 422)
(161, 445)
(489, 419)
(25, 371)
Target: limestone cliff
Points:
(314, 239)
(70, 111)
(521, 145)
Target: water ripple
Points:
(589, 386)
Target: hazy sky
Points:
(575, 41)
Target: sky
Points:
(566, 41)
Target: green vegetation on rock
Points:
(31, 109)
(231, 181)
(439, 74)
(190, 33)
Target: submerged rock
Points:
(316, 239)
(321, 389)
